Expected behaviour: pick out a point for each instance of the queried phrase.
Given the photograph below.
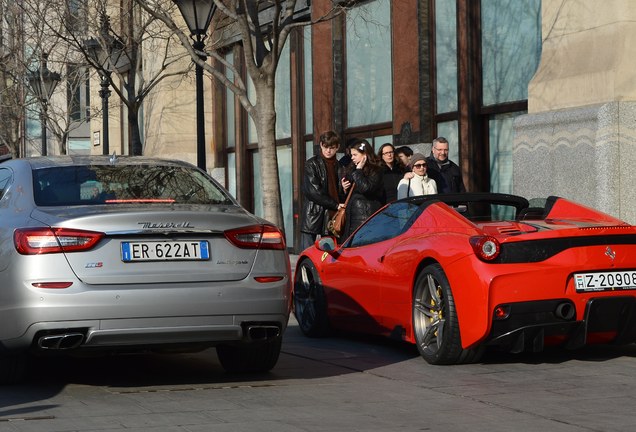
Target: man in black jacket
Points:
(320, 190)
(445, 172)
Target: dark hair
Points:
(330, 139)
(363, 146)
(381, 149)
(404, 149)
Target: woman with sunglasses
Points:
(419, 183)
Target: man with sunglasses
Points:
(320, 190)
(446, 173)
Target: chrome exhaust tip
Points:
(65, 341)
(262, 332)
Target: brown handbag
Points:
(337, 222)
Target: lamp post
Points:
(43, 83)
(97, 54)
(197, 14)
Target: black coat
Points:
(317, 199)
(448, 177)
(390, 179)
(366, 198)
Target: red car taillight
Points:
(35, 241)
(257, 237)
(485, 247)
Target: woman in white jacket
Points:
(419, 183)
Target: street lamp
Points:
(96, 52)
(108, 59)
(197, 14)
(43, 83)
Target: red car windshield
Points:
(117, 184)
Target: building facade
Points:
(402, 72)
(536, 98)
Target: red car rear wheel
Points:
(435, 322)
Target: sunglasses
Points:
(421, 165)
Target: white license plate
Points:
(605, 281)
(165, 251)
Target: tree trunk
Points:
(266, 131)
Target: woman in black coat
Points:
(392, 171)
(368, 192)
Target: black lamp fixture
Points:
(43, 83)
(98, 55)
(198, 14)
(108, 59)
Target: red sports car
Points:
(458, 272)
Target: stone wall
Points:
(587, 154)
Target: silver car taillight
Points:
(256, 237)
(34, 241)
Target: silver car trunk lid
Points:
(132, 229)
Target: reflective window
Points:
(501, 139)
(229, 105)
(256, 184)
(389, 223)
(5, 178)
(446, 55)
(450, 131)
(122, 184)
(231, 173)
(309, 103)
(283, 95)
(368, 63)
(511, 48)
(284, 154)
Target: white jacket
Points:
(418, 185)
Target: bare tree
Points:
(12, 72)
(263, 26)
(109, 37)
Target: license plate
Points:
(165, 251)
(605, 281)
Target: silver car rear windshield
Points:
(121, 184)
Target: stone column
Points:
(578, 139)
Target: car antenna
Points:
(113, 158)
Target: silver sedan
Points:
(111, 254)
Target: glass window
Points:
(78, 90)
(309, 105)
(5, 178)
(446, 55)
(501, 139)
(389, 223)
(229, 105)
(256, 184)
(284, 154)
(511, 48)
(450, 131)
(231, 173)
(368, 63)
(121, 184)
(252, 136)
(283, 95)
(309, 149)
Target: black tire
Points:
(12, 368)
(260, 356)
(310, 304)
(435, 322)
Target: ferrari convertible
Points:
(456, 273)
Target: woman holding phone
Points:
(365, 172)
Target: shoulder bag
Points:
(337, 222)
